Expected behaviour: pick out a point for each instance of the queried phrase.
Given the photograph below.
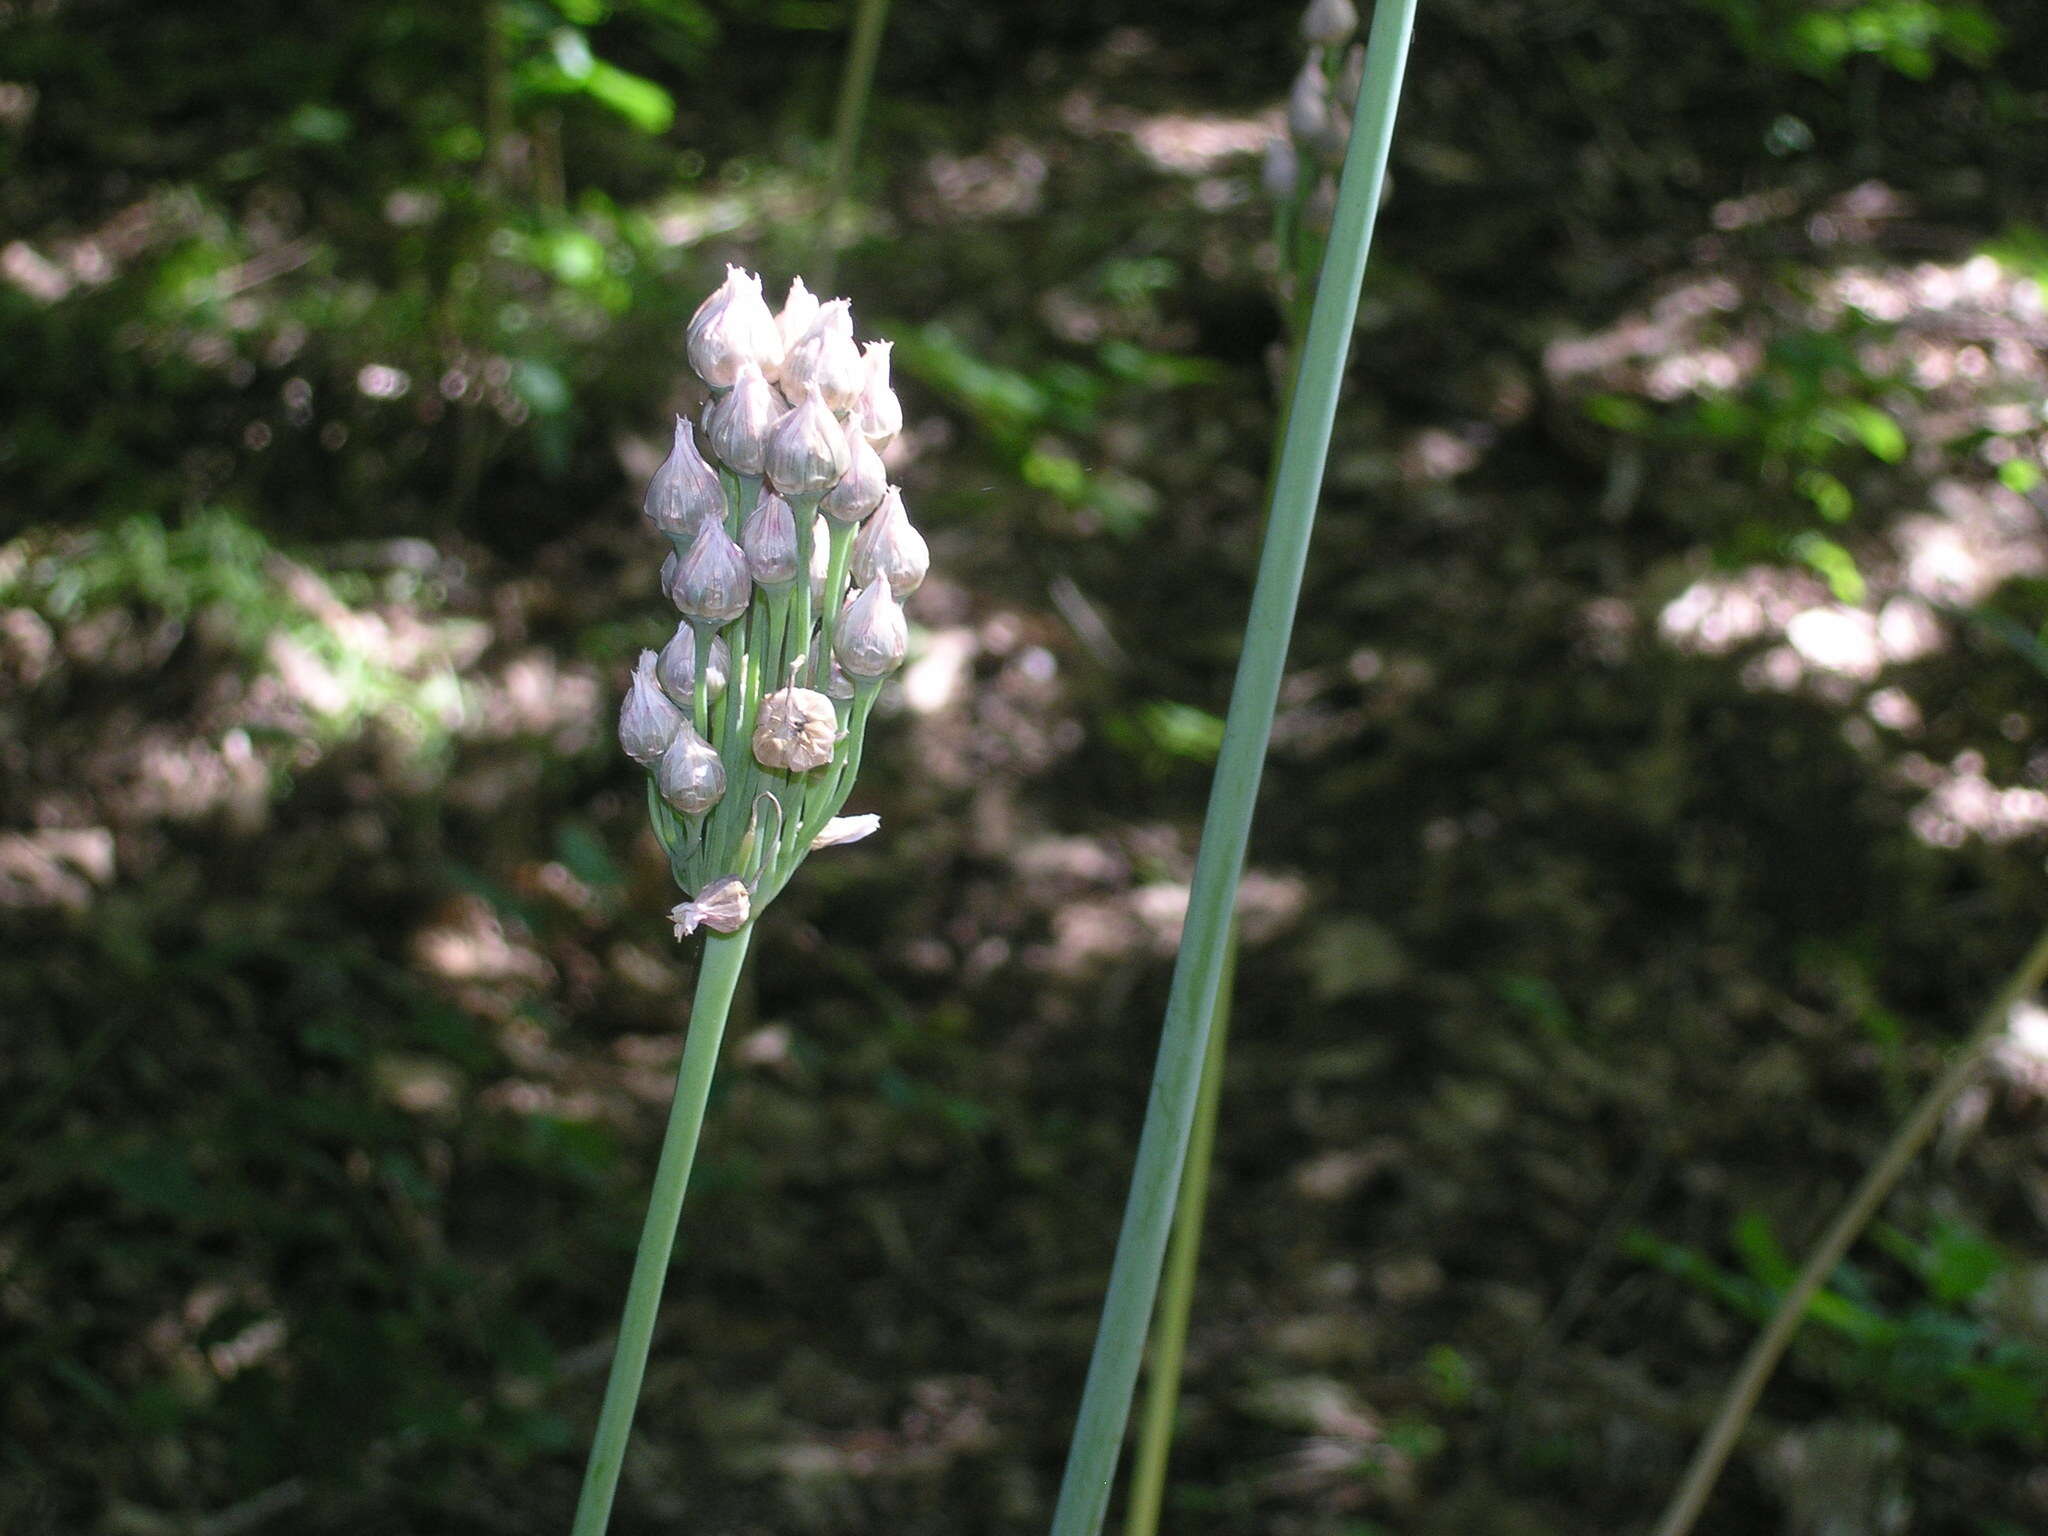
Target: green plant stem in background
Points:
(1198, 970)
(1741, 1398)
(717, 976)
(1183, 1259)
(854, 87)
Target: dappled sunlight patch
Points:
(1006, 181)
(1963, 803)
(62, 867)
(2020, 1055)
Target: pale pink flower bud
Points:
(691, 778)
(807, 448)
(877, 415)
(769, 539)
(711, 583)
(737, 423)
(648, 721)
(841, 830)
(797, 730)
(873, 637)
(723, 906)
(860, 489)
(740, 330)
(798, 312)
(1281, 169)
(826, 356)
(1308, 105)
(1329, 22)
(676, 670)
(887, 547)
(685, 490)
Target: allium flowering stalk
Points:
(1300, 173)
(781, 477)
(750, 720)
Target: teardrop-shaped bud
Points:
(736, 424)
(797, 730)
(740, 330)
(877, 415)
(799, 311)
(1328, 22)
(685, 490)
(826, 356)
(860, 489)
(888, 548)
(807, 448)
(873, 639)
(1308, 104)
(648, 721)
(711, 582)
(713, 305)
(1281, 169)
(723, 906)
(769, 539)
(690, 778)
(676, 669)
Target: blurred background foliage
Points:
(1656, 794)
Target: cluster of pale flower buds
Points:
(1301, 164)
(790, 556)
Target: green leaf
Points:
(1868, 425)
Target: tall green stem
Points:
(717, 976)
(1198, 971)
(1741, 1398)
(854, 87)
(1177, 1299)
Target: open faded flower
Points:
(841, 830)
(723, 906)
(796, 730)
